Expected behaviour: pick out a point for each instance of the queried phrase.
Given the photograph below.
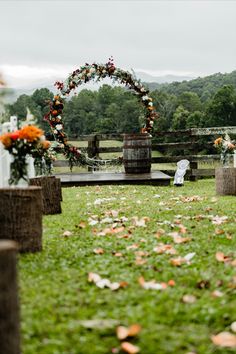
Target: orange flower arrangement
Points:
(19, 144)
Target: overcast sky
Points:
(43, 39)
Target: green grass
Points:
(56, 295)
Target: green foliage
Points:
(56, 295)
(196, 103)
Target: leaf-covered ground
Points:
(159, 258)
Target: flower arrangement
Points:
(224, 146)
(19, 144)
(84, 74)
(43, 155)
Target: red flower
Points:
(14, 135)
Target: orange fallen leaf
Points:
(219, 231)
(82, 225)
(162, 248)
(118, 254)
(123, 332)
(171, 282)
(221, 257)
(129, 348)
(224, 339)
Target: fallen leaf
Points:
(105, 283)
(171, 282)
(218, 220)
(219, 231)
(179, 239)
(164, 248)
(151, 285)
(133, 247)
(233, 326)
(140, 261)
(67, 233)
(123, 332)
(129, 348)
(82, 225)
(217, 293)
(224, 339)
(118, 254)
(140, 222)
(98, 251)
(189, 299)
(221, 257)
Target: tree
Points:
(180, 118)
(221, 110)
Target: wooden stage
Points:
(156, 178)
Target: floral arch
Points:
(94, 72)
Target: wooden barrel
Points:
(137, 153)
(9, 300)
(21, 217)
(225, 181)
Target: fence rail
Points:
(188, 145)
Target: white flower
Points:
(55, 131)
(42, 138)
(136, 84)
(104, 71)
(59, 126)
(145, 98)
(89, 75)
(92, 70)
(150, 104)
(142, 89)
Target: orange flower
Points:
(30, 133)
(218, 141)
(46, 144)
(6, 140)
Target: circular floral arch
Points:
(94, 72)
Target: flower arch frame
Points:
(82, 75)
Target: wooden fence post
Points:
(9, 303)
(93, 146)
(193, 165)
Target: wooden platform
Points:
(156, 178)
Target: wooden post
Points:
(193, 165)
(9, 303)
(21, 217)
(225, 181)
(93, 146)
(51, 193)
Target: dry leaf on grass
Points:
(221, 257)
(218, 220)
(82, 225)
(67, 233)
(151, 285)
(189, 299)
(224, 339)
(129, 348)
(162, 248)
(98, 251)
(140, 222)
(217, 293)
(105, 283)
(123, 332)
(177, 262)
(179, 239)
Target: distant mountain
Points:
(144, 77)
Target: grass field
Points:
(132, 235)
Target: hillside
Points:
(204, 87)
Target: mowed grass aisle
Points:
(182, 238)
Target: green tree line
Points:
(204, 102)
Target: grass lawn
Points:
(198, 296)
